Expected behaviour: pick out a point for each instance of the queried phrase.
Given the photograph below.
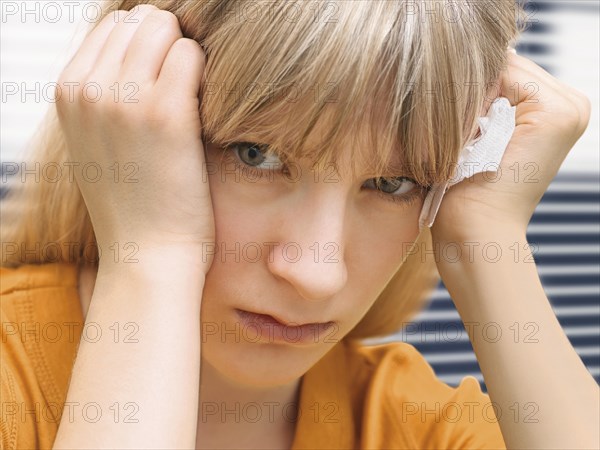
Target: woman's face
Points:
(304, 245)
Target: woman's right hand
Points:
(135, 115)
(167, 211)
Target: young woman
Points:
(229, 198)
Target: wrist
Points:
(479, 232)
(141, 256)
(148, 291)
(471, 268)
(471, 253)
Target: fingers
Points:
(146, 48)
(133, 45)
(87, 54)
(110, 32)
(113, 53)
(183, 68)
(158, 32)
(531, 88)
(511, 81)
(524, 81)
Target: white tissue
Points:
(482, 154)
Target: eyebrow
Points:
(395, 168)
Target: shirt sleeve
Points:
(468, 420)
(26, 421)
(406, 406)
(442, 416)
(18, 415)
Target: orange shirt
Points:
(356, 396)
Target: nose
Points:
(310, 248)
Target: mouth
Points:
(274, 329)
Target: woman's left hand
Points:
(550, 118)
(504, 288)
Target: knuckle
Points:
(585, 105)
(585, 113)
(64, 76)
(144, 6)
(62, 80)
(112, 109)
(59, 100)
(189, 45)
(581, 111)
(66, 90)
(188, 52)
(163, 18)
(116, 16)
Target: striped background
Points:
(565, 229)
(563, 38)
(565, 237)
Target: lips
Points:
(257, 327)
(269, 318)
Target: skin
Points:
(369, 252)
(546, 376)
(163, 290)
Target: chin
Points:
(262, 365)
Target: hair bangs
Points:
(400, 82)
(387, 63)
(323, 91)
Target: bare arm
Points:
(545, 395)
(147, 390)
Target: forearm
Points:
(146, 385)
(546, 396)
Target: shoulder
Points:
(39, 294)
(399, 363)
(40, 328)
(397, 353)
(399, 386)
(33, 276)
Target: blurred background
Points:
(39, 37)
(563, 38)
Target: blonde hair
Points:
(416, 72)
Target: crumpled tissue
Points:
(482, 154)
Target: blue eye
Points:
(393, 185)
(255, 160)
(400, 190)
(254, 155)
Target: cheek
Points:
(239, 226)
(241, 230)
(373, 259)
(237, 268)
(378, 255)
(385, 239)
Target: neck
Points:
(234, 415)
